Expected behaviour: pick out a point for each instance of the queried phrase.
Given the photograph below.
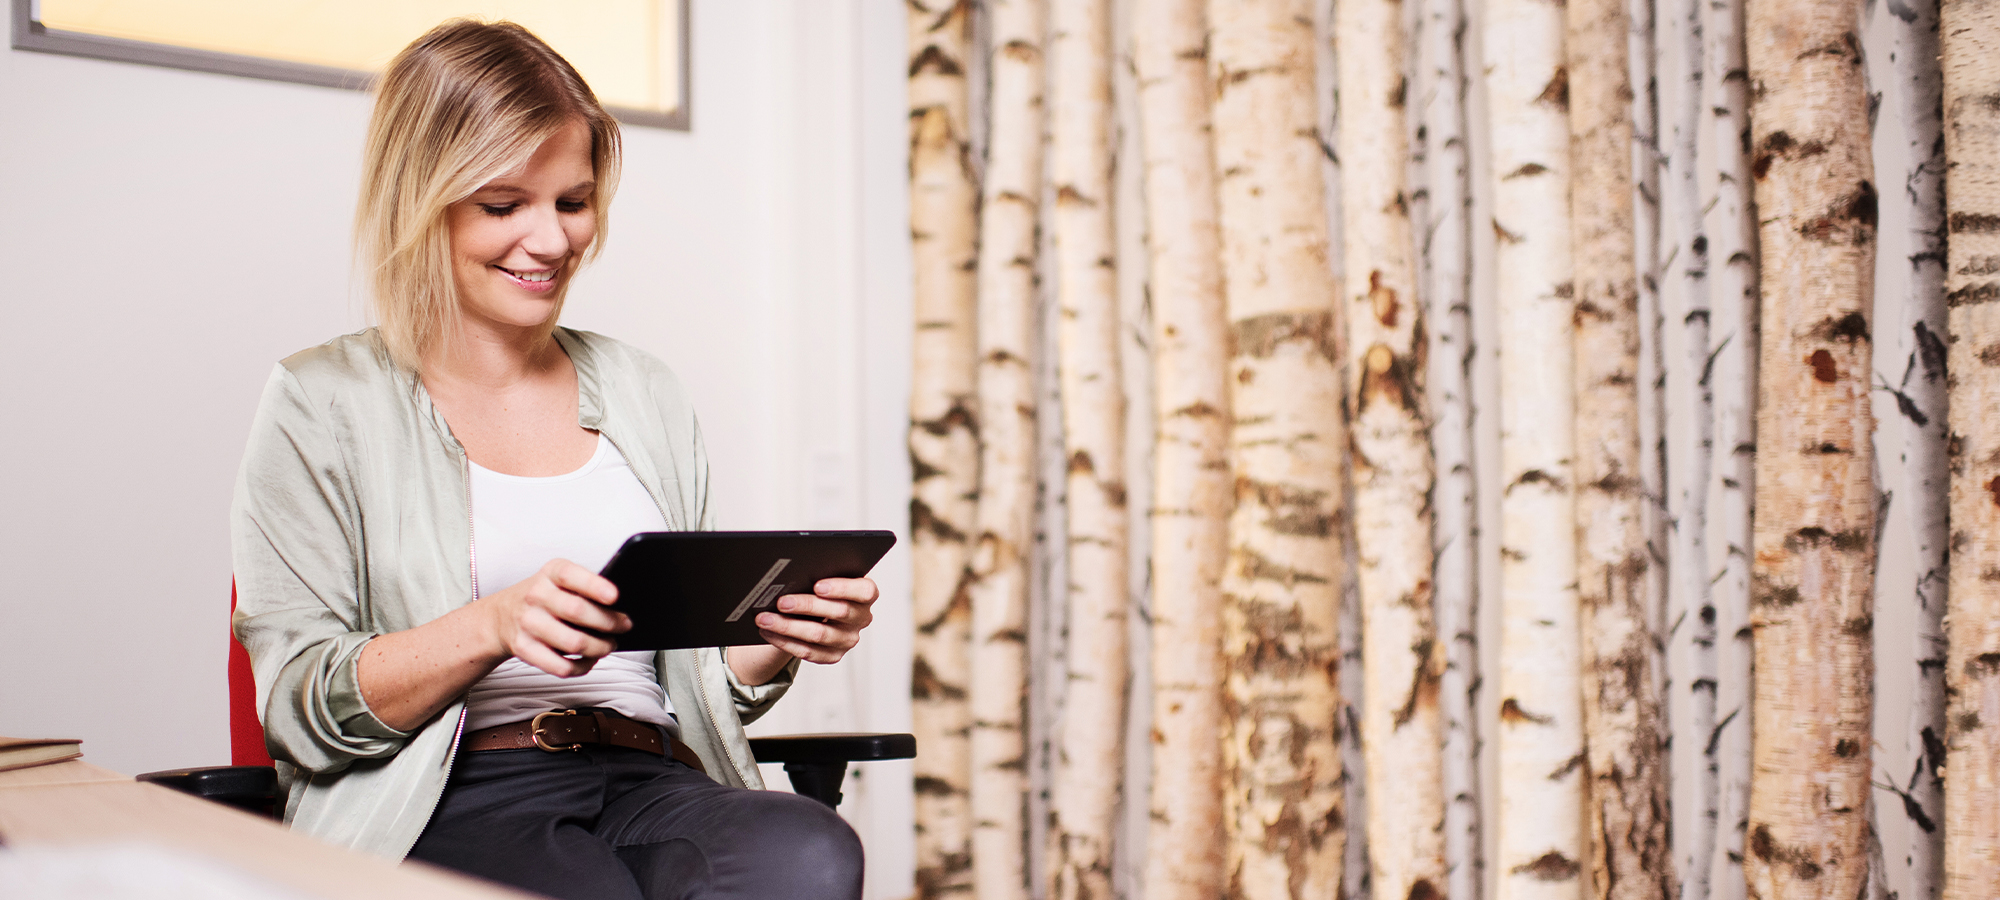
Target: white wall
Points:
(166, 236)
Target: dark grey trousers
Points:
(616, 824)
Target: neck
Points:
(487, 359)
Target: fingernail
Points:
(787, 603)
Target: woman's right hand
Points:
(538, 621)
(407, 676)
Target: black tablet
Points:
(705, 588)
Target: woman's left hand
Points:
(819, 627)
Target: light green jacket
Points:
(351, 519)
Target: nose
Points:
(545, 238)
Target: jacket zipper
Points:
(701, 687)
(700, 682)
(472, 557)
(471, 542)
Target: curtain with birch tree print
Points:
(1467, 449)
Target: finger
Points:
(810, 606)
(557, 635)
(821, 634)
(582, 612)
(856, 590)
(581, 581)
(812, 653)
(548, 660)
(849, 613)
(545, 594)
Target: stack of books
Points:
(22, 753)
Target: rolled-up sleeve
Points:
(295, 536)
(752, 701)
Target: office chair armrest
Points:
(817, 763)
(838, 748)
(253, 789)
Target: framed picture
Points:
(634, 53)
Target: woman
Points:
(423, 506)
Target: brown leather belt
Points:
(569, 729)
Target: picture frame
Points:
(672, 59)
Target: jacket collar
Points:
(589, 384)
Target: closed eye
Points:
(499, 209)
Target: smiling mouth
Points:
(541, 277)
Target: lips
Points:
(542, 280)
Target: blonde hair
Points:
(460, 106)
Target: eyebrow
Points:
(504, 188)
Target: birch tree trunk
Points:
(1815, 530)
(1627, 798)
(1900, 48)
(1541, 729)
(1682, 277)
(1008, 342)
(1184, 860)
(1729, 224)
(1136, 372)
(1969, 30)
(1285, 829)
(944, 444)
(1084, 795)
(1446, 295)
(1401, 734)
(1646, 248)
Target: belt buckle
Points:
(536, 734)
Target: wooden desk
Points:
(75, 804)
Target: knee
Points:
(826, 859)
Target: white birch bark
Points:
(1968, 32)
(1899, 44)
(1184, 860)
(1814, 537)
(1646, 171)
(1009, 342)
(1136, 369)
(1445, 291)
(1084, 795)
(1627, 797)
(944, 449)
(1541, 729)
(1643, 64)
(1048, 614)
(1729, 224)
(1684, 346)
(1401, 732)
(1484, 391)
(1284, 823)
(1687, 429)
(1354, 867)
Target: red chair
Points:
(815, 763)
(246, 731)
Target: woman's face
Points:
(518, 238)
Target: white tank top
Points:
(518, 525)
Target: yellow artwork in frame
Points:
(633, 52)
